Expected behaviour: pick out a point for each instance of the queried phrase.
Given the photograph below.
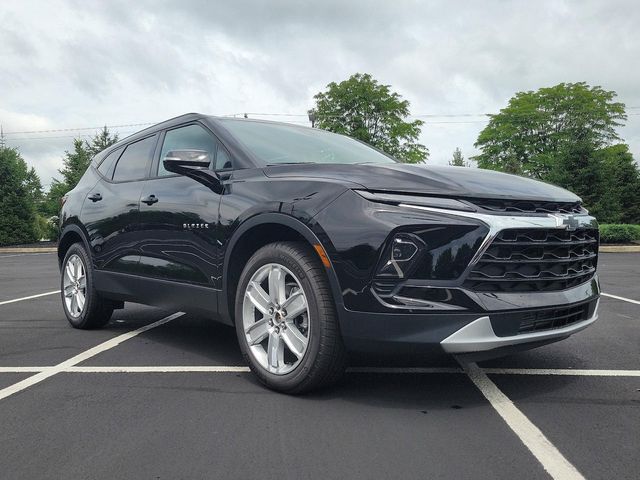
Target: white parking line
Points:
(29, 297)
(163, 369)
(562, 371)
(43, 375)
(356, 370)
(624, 299)
(547, 454)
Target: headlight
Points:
(435, 202)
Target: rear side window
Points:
(191, 137)
(105, 167)
(134, 162)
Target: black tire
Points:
(325, 358)
(96, 311)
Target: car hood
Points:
(428, 180)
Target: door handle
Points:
(95, 197)
(150, 200)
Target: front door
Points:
(179, 216)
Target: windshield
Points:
(276, 143)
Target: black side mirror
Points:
(176, 160)
(193, 164)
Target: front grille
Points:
(527, 206)
(516, 323)
(536, 260)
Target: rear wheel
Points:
(286, 321)
(82, 305)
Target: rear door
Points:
(111, 211)
(179, 216)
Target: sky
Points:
(80, 64)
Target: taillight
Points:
(63, 200)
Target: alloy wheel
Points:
(75, 285)
(276, 319)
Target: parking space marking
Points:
(562, 371)
(624, 299)
(547, 454)
(380, 370)
(5, 302)
(159, 369)
(81, 357)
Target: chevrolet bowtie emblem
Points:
(570, 222)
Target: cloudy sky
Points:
(81, 64)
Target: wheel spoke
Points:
(258, 297)
(258, 331)
(82, 282)
(297, 306)
(74, 304)
(294, 339)
(68, 291)
(275, 352)
(276, 285)
(80, 301)
(69, 271)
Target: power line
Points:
(53, 130)
(259, 114)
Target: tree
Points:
(457, 160)
(621, 179)
(18, 185)
(536, 129)
(75, 163)
(362, 108)
(567, 135)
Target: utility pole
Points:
(1, 137)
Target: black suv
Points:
(313, 243)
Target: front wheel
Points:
(286, 320)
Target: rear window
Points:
(105, 166)
(134, 162)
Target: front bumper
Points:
(479, 336)
(494, 328)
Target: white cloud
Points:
(85, 63)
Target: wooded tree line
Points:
(566, 135)
(27, 213)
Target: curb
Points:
(28, 250)
(620, 248)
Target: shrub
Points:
(619, 233)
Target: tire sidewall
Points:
(272, 254)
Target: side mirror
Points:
(176, 161)
(193, 164)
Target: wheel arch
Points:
(257, 232)
(71, 234)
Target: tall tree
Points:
(536, 129)
(74, 164)
(18, 187)
(369, 111)
(457, 160)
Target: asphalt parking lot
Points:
(151, 396)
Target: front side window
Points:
(277, 143)
(191, 137)
(134, 161)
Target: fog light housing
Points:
(400, 256)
